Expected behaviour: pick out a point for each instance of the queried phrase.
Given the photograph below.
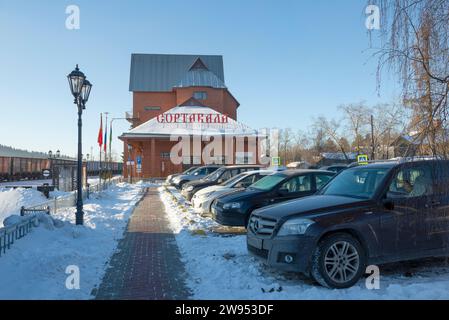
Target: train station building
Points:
(183, 98)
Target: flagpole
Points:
(105, 144)
(100, 144)
(110, 148)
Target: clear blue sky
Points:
(285, 61)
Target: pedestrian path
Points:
(147, 263)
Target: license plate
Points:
(255, 242)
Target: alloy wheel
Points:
(341, 262)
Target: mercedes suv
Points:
(374, 214)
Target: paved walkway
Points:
(147, 262)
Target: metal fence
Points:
(9, 234)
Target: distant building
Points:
(175, 94)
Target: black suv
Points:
(373, 214)
(234, 209)
(219, 176)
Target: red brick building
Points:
(175, 94)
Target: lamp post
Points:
(80, 88)
(130, 149)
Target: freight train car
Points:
(93, 167)
(18, 168)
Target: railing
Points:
(19, 230)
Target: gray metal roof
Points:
(201, 78)
(163, 72)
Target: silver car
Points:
(202, 200)
(196, 174)
(170, 178)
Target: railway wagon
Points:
(93, 167)
(19, 168)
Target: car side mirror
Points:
(388, 204)
(283, 192)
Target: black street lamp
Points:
(80, 88)
(58, 154)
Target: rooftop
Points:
(163, 72)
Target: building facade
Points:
(179, 95)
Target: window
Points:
(200, 95)
(249, 180)
(151, 108)
(298, 184)
(165, 155)
(268, 182)
(360, 182)
(321, 180)
(412, 182)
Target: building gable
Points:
(162, 72)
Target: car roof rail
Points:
(419, 158)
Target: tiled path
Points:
(147, 262)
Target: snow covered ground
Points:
(35, 266)
(219, 267)
(11, 200)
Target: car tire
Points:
(338, 261)
(181, 184)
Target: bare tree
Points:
(331, 130)
(357, 117)
(415, 43)
(389, 120)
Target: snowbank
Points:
(35, 266)
(219, 267)
(11, 200)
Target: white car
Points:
(202, 200)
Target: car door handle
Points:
(368, 212)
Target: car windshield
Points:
(215, 175)
(230, 183)
(360, 182)
(190, 170)
(267, 183)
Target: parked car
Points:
(202, 200)
(234, 209)
(335, 168)
(196, 174)
(217, 177)
(170, 178)
(373, 214)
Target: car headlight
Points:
(232, 205)
(295, 226)
(189, 188)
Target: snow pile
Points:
(35, 266)
(11, 200)
(219, 267)
(182, 216)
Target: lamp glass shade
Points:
(85, 90)
(76, 80)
